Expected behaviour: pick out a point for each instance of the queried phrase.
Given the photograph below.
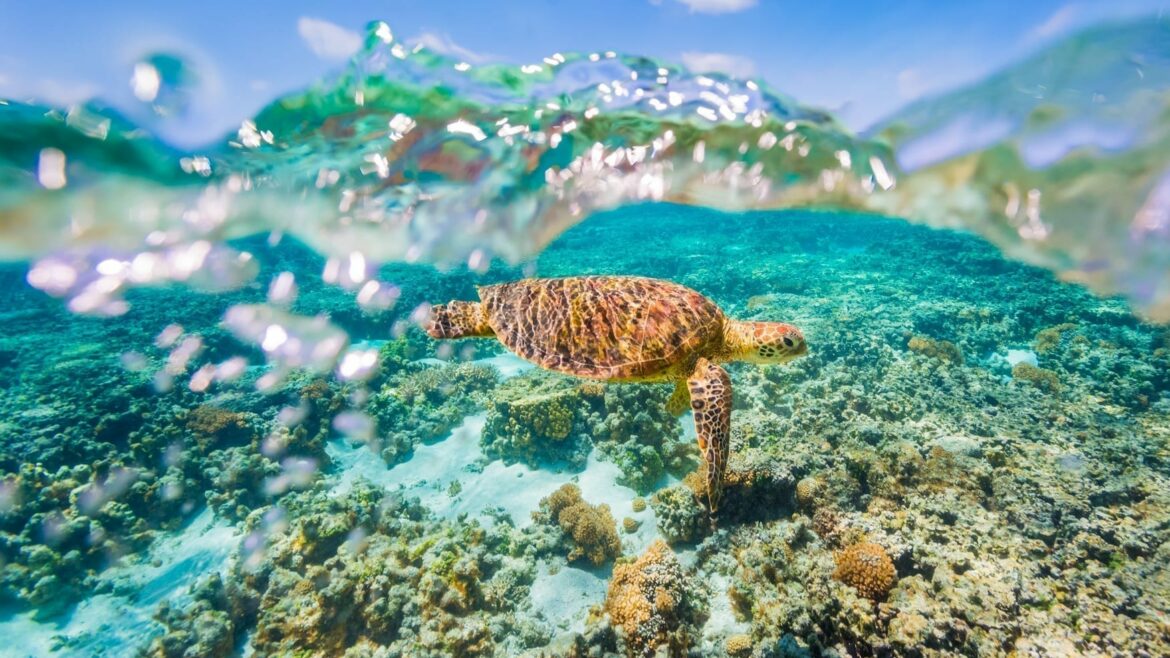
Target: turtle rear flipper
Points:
(459, 320)
(710, 390)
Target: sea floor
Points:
(971, 460)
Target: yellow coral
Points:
(943, 350)
(639, 504)
(645, 598)
(1045, 380)
(1046, 339)
(807, 491)
(213, 425)
(738, 645)
(630, 525)
(867, 568)
(591, 389)
(206, 419)
(591, 527)
(548, 416)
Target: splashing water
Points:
(408, 155)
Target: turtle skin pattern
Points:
(605, 327)
(710, 389)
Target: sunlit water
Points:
(222, 430)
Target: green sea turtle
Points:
(628, 329)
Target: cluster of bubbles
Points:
(410, 155)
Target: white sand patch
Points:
(1015, 357)
(516, 488)
(507, 364)
(564, 597)
(722, 622)
(114, 625)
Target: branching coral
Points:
(366, 570)
(943, 350)
(213, 426)
(1048, 339)
(413, 404)
(651, 601)
(590, 528)
(1045, 380)
(636, 432)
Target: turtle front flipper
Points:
(459, 320)
(679, 400)
(710, 390)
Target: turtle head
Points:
(764, 342)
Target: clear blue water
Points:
(224, 430)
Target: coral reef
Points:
(635, 431)
(943, 350)
(1049, 338)
(867, 568)
(365, 573)
(652, 602)
(539, 418)
(414, 404)
(1045, 380)
(1019, 512)
(542, 418)
(681, 517)
(590, 529)
(738, 645)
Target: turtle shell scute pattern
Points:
(605, 327)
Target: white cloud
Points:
(733, 65)
(51, 91)
(1060, 21)
(911, 84)
(327, 40)
(718, 6)
(445, 45)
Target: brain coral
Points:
(867, 568)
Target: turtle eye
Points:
(787, 341)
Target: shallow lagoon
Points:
(999, 435)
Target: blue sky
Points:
(861, 59)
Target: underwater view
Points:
(428, 352)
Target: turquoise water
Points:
(223, 430)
